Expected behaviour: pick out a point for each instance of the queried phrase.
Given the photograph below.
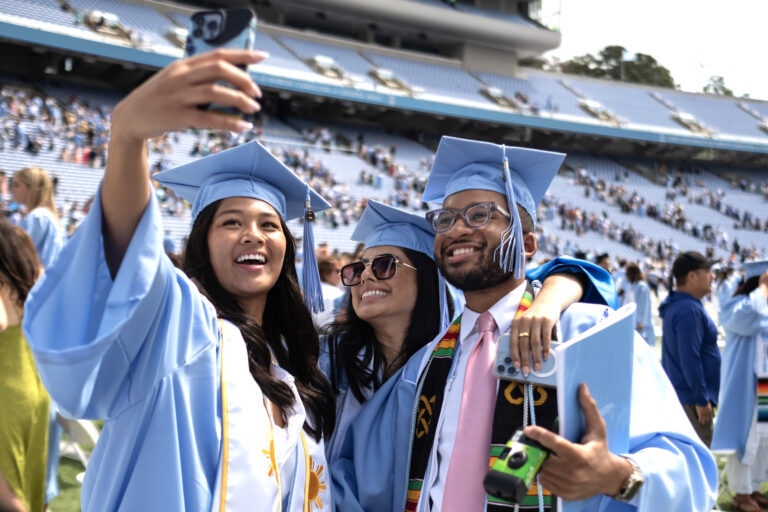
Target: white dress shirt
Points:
(503, 313)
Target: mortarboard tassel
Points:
(445, 319)
(510, 250)
(313, 292)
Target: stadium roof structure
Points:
(38, 35)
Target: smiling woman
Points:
(207, 381)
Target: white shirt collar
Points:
(503, 313)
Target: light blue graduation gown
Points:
(600, 290)
(679, 471)
(641, 294)
(143, 352)
(742, 318)
(726, 288)
(46, 233)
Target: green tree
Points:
(610, 64)
(716, 85)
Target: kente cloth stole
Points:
(762, 400)
(507, 417)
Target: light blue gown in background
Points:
(742, 318)
(640, 294)
(46, 233)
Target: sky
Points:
(694, 39)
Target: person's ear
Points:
(530, 244)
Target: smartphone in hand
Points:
(223, 28)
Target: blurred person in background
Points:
(33, 187)
(639, 292)
(329, 268)
(25, 403)
(742, 420)
(689, 354)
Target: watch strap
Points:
(632, 485)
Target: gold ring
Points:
(523, 334)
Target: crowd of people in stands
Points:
(672, 212)
(715, 199)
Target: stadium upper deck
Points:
(143, 35)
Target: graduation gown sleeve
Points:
(599, 286)
(102, 345)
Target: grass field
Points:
(68, 499)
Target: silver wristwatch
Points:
(632, 485)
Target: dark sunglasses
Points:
(383, 267)
(475, 216)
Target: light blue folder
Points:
(602, 357)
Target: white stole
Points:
(252, 446)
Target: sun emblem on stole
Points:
(316, 485)
(270, 453)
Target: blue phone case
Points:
(504, 369)
(224, 28)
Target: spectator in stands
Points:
(689, 342)
(182, 347)
(397, 306)
(742, 419)
(639, 293)
(25, 403)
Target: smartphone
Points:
(504, 369)
(223, 28)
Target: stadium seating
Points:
(437, 79)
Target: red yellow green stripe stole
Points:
(507, 416)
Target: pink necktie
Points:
(464, 490)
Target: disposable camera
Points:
(512, 474)
(224, 28)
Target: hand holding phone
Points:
(224, 28)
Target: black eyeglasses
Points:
(383, 267)
(475, 216)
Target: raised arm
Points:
(742, 314)
(166, 102)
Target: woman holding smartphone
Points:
(208, 382)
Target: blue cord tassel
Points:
(313, 292)
(445, 320)
(510, 251)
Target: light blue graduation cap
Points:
(522, 175)
(385, 225)
(250, 170)
(755, 268)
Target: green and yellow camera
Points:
(513, 472)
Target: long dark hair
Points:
(287, 329)
(747, 286)
(19, 265)
(352, 343)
